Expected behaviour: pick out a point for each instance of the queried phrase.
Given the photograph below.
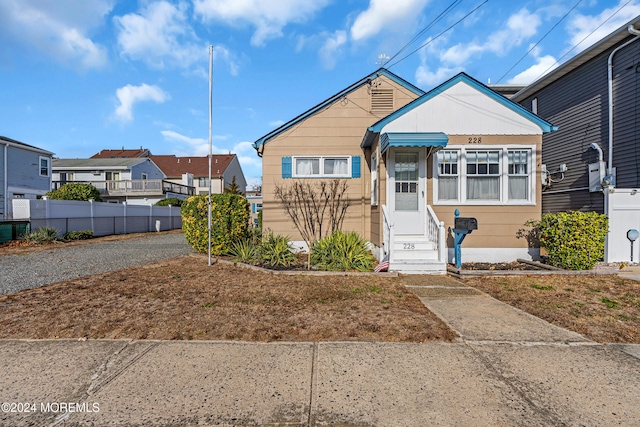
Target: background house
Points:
(224, 167)
(593, 98)
(254, 197)
(410, 159)
(25, 173)
(136, 180)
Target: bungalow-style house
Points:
(410, 159)
(134, 180)
(25, 173)
(594, 156)
(224, 169)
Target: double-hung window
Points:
(374, 178)
(491, 175)
(321, 166)
(518, 174)
(483, 175)
(44, 166)
(448, 174)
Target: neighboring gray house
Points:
(592, 163)
(597, 114)
(135, 180)
(25, 173)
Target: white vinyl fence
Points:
(624, 215)
(101, 218)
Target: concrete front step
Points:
(418, 266)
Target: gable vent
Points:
(381, 101)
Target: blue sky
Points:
(79, 76)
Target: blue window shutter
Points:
(253, 208)
(286, 167)
(355, 167)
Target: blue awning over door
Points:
(416, 139)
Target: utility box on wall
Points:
(596, 176)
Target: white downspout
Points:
(4, 182)
(635, 32)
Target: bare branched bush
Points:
(317, 209)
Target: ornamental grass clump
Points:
(342, 252)
(42, 235)
(275, 251)
(573, 240)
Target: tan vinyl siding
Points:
(336, 130)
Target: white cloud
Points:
(57, 29)
(331, 49)
(160, 33)
(383, 14)
(542, 66)
(519, 27)
(130, 95)
(276, 123)
(428, 79)
(579, 26)
(268, 17)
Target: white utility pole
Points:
(210, 151)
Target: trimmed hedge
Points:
(75, 191)
(574, 240)
(173, 201)
(229, 221)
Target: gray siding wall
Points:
(2, 183)
(24, 170)
(578, 104)
(234, 169)
(152, 171)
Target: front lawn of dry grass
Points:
(604, 308)
(184, 298)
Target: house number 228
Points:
(409, 246)
(475, 140)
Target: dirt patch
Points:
(183, 298)
(603, 308)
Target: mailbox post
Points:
(461, 227)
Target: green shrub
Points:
(574, 240)
(173, 201)
(42, 235)
(343, 252)
(78, 235)
(229, 221)
(260, 220)
(75, 191)
(275, 251)
(244, 251)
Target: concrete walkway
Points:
(507, 369)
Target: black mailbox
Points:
(466, 223)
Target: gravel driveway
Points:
(33, 269)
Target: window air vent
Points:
(381, 101)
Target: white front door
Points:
(408, 191)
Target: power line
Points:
(539, 41)
(431, 24)
(441, 33)
(584, 38)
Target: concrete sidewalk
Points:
(507, 369)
